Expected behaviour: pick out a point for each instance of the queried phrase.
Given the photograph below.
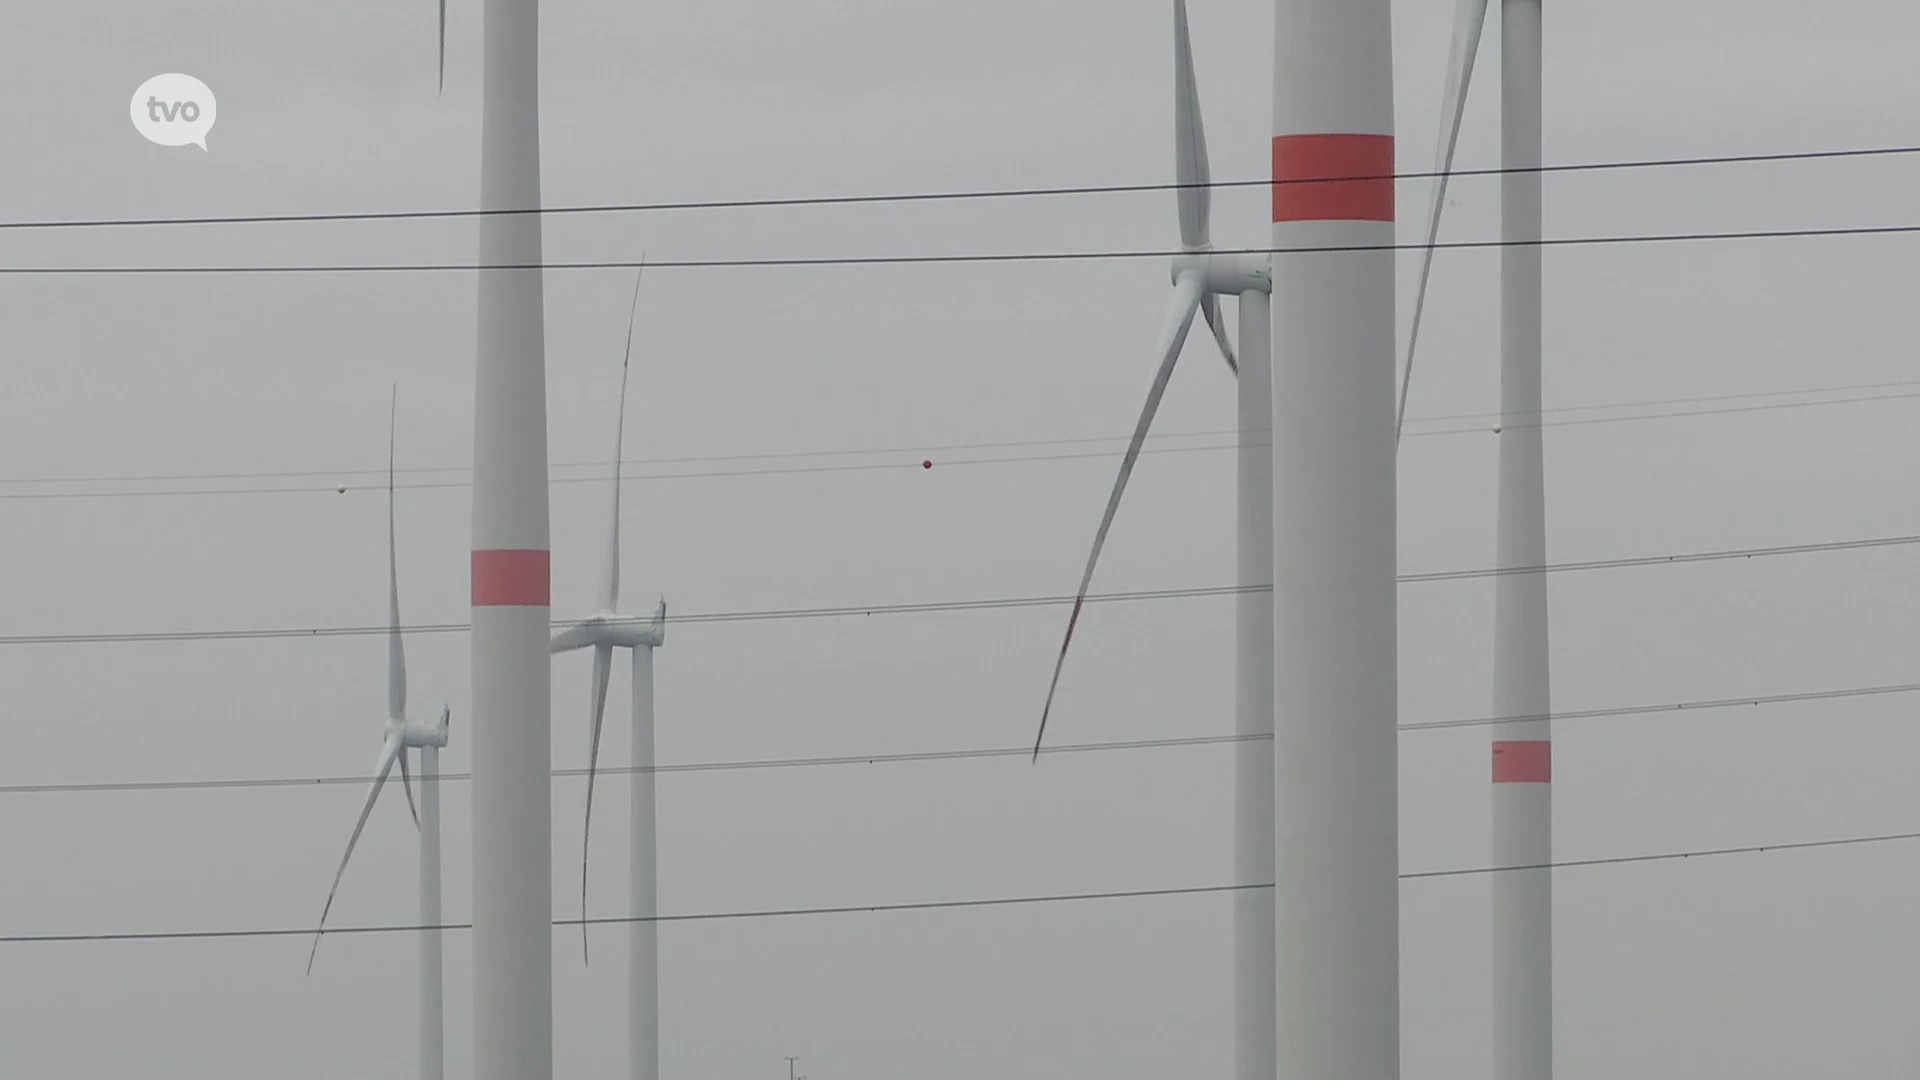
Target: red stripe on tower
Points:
(1523, 762)
(1332, 178)
(512, 579)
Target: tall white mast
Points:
(1522, 765)
(1522, 753)
(433, 1051)
(1335, 751)
(643, 1023)
(1253, 699)
(512, 788)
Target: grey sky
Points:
(1771, 966)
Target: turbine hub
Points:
(1226, 275)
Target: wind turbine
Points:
(1336, 892)
(603, 632)
(1200, 278)
(511, 574)
(403, 735)
(1522, 770)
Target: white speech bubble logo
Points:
(173, 110)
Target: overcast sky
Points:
(1779, 965)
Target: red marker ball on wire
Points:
(928, 464)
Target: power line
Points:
(1670, 856)
(953, 905)
(979, 753)
(1724, 411)
(962, 259)
(941, 196)
(996, 604)
(904, 450)
(629, 770)
(1664, 560)
(681, 459)
(1649, 403)
(29, 496)
(702, 916)
(708, 617)
(1672, 707)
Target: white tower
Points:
(1335, 751)
(512, 756)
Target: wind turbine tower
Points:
(1335, 751)
(1522, 752)
(511, 575)
(1317, 960)
(1522, 764)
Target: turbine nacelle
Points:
(415, 734)
(1225, 274)
(613, 631)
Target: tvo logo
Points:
(173, 110)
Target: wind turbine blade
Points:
(610, 583)
(1469, 18)
(388, 753)
(1191, 168)
(443, 47)
(406, 784)
(602, 669)
(1186, 300)
(1210, 307)
(396, 654)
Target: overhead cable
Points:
(956, 259)
(1860, 840)
(942, 196)
(978, 753)
(994, 604)
(920, 463)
